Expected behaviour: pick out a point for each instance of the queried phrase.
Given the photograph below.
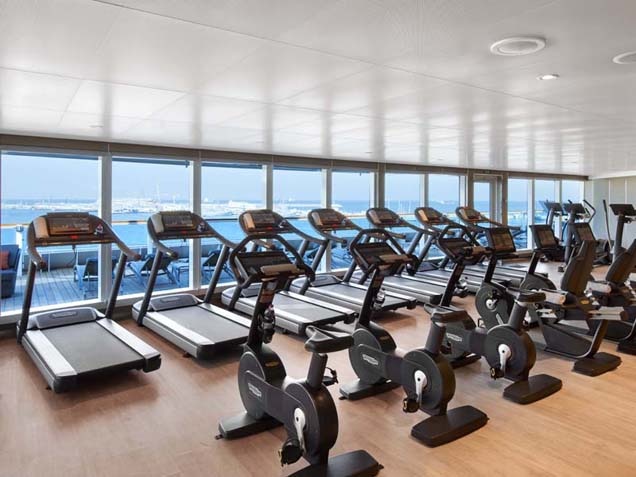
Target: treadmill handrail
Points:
(36, 261)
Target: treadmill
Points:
(294, 311)
(328, 287)
(72, 344)
(199, 328)
(438, 282)
(477, 223)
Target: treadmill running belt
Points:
(300, 308)
(88, 347)
(205, 323)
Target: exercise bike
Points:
(424, 373)
(271, 399)
(507, 348)
(493, 301)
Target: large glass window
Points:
(544, 190)
(227, 190)
(140, 189)
(403, 193)
(352, 194)
(519, 210)
(572, 190)
(444, 193)
(33, 185)
(296, 192)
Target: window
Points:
(227, 190)
(572, 190)
(403, 193)
(142, 187)
(352, 194)
(444, 193)
(296, 192)
(64, 184)
(543, 190)
(519, 202)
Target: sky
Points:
(30, 177)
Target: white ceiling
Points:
(408, 81)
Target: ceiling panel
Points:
(275, 72)
(268, 19)
(159, 52)
(120, 100)
(406, 81)
(36, 90)
(56, 37)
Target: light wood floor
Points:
(163, 423)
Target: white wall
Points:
(621, 190)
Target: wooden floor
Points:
(163, 423)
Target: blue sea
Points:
(134, 234)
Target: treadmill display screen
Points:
(383, 217)
(623, 209)
(470, 215)
(545, 237)
(69, 225)
(259, 221)
(179, 221)
(328, 219)
(500, 240)
(584, 232)
(429, 215)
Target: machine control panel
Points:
(500, 240)
(544, 237)
(383, 217)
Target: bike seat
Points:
(323, 341)
(526, 296)
(446, 315)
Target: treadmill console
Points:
(500, 240)
(179, 224)
(262, 221)
(544, 238)
(470, 215)
(68, 224)
(626, 210)
(555, 206)
(181, 220)
(383, 217)
(429, 215)
(70, 228)
(583, 231)
(329, 219)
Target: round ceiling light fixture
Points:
(518, 46)
(628, 58)
(549, 76)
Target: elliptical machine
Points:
(305, 407)
(424, 373)
(507, 348)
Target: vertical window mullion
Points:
(105, 211)
(195, 247)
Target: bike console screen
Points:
(500, 240)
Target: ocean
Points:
(22, 212)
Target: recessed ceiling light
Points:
(549, 76)
(96, 126)
(628, 58)
(518, 46)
